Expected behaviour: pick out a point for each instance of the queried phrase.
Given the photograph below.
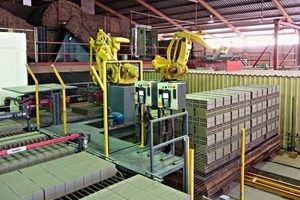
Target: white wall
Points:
(13, 71)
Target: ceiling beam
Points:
(282, 11)
(220, 17)
(97, 3)
(162, 15)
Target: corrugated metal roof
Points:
(238, 12)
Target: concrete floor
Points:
(252, 194)
(280, 168)
(285, 160)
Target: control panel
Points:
(171, 95)
(146, 93)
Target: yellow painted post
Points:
(97, 77)
(142, 108)
(105, 111)
(102, 81)
(191, 173)
(103, 85)
(37, 99)
(142, 145)
(64, 103)
(242, 184)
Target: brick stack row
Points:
(216, 119)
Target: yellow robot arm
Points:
(174, 68)
(106, 49)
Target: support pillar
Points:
(276, 33)
(88, 6)
(298, 50)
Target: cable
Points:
(121, 174)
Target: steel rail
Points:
(273, 186)
(40, 144)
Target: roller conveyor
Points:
(31, 157)
(138, 187)
(21, 140)
(8, 127)
(93, 188)
(80, 176)
(56, 178)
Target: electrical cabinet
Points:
(171, 95)
(144, 41)
(146, 93)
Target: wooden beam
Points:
(162, 15)
(282, 10)
(97, 3)
(220, 17)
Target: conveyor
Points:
(138, 187)
(10, 127)
(21, 140)
(78, 176)
(32, 157)
(56, 178)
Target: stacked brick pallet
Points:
(215, 120)
(88, 110)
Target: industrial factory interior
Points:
(150, 99)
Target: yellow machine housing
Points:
(106, 49)
(175, 68)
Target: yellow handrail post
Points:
(102, 81)
(64, 103)
(191, 173)
(37, 100)
(242, 184)
(142, 145)
(103, 85)
(105, 111)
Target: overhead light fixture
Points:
(195, 1)
(211, 20)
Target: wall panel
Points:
(289, 82)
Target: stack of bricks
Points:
(56, 178)
(10, 126)
(21, 140)
(136, 188)
(35, 156)
(215, 121)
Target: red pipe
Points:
(277, 24)
(39, 144)
(287, 55)
(262, 53)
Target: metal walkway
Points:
(137, 160)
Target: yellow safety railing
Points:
(64, 103)
(191, 173)
(37, 100)
(103, 85)
(242, 184)
(142, 145)
(102, 81)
